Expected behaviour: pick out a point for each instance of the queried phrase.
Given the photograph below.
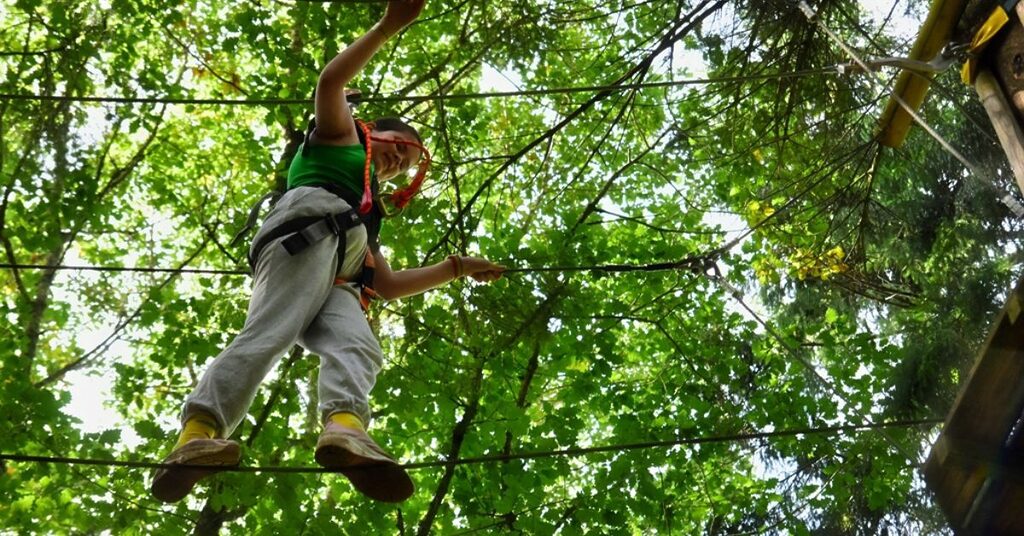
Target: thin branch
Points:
(676, 33)
(84, 359)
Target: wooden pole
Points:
(999, 112)
(911, 87)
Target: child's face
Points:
(391, 159)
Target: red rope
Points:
(366, 203)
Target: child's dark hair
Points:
(396, 124)
(383, 123)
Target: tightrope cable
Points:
(569, 452)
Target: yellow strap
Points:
(990, 29)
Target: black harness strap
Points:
(254, 213)
(306, 231)
(371, 221)
(286, 228)
(334, 224)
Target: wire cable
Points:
(694, 263)
(140, 269)
(975, 171)
(427, 98)
(570, 452)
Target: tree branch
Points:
(677, 32)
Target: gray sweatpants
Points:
(294, 300)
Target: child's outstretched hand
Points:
(399, 14)
(481, 270)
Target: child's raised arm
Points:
(334, 124)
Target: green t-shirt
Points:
(341, 165)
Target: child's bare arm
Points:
(334, 124)
(392, 285)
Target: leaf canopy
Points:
(845, 283)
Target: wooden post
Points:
(1005, 122)
(975, 467)
(1001, 90)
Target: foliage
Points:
(878, 268)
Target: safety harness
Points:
(305, 231)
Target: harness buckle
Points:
(333, 225)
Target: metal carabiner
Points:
(386, 212)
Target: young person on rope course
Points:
(315, 259)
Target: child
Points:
(320, 236)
